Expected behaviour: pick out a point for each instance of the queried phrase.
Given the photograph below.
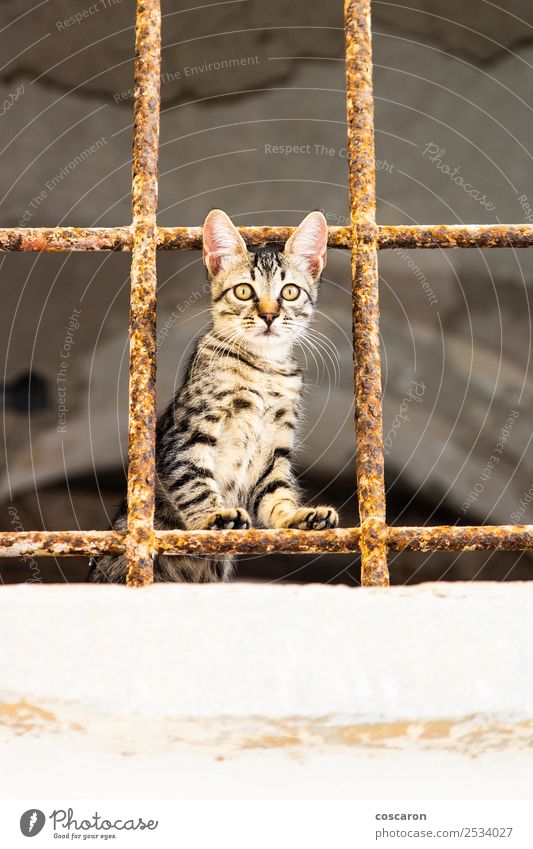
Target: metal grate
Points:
(364, 238)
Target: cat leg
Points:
(194, 494)
(276, 496)
(277, 500)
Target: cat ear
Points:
(309, 243)
(222, 242)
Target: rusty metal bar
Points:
(339, 541)
(190, 238)
(456, 236)
(387, 238)
(255, 541)
(66, 239)
(367, 366)
(142, 411)
(49, 239)
(458, 538)
(61, 543)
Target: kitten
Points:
(224, 445)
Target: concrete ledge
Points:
(237, 673)
(436, 651)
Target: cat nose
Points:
(268, 317)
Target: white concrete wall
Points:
(267, 691)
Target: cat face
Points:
(263, 299)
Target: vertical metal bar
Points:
(142, 415)
(367, 366)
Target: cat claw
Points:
(226, 520)
(314, 519)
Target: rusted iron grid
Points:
(364, 238)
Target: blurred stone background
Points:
(253, 121)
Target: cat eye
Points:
(290, 292)
(243, 292)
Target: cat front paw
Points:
(313, 519)
(236, 519)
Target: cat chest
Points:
(250, 429)
(248, 425)
(257, 408)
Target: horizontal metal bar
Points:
(258, 541)
(456, 236)
(280, 541)
(121, 238)
(44, 543)
(66, 239)
(458, 538)
(190, 238)
(388, 238)
(60, 543)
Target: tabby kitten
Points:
(224, 444)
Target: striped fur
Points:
(225, 443)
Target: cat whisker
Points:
(228, 344)
(304, 343)
(325, 344)
(326, 341)
(302, 348)
(315, 344)
(328, 359)
(332, 356)
(318, 345)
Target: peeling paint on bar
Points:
(341, 540)
(457, 236)
(142, 411)
(428, 236)
(458, 538)
(190, 238)
(62, 543)
(259, 541)
(66, 239)
(367, 366)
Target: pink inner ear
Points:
(314, 265)
(309, 242)
(221, 241)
